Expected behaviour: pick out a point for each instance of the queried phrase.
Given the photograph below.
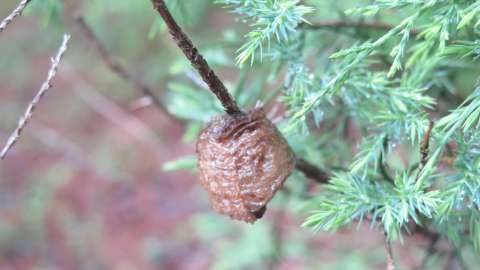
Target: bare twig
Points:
(31, 107)
(424, 147)
(119, 69)
(336, 24)
(15, 13)
(388, 249)
(214, 83)
(311, 171)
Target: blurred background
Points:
(94, 182)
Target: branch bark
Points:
(15, 13)
(120, 70)
(214, 83)
(33, 104)
(311, 171)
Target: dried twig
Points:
(388, 249)
(31, 107)
(119, 69)
(15, 13)
(214, 83)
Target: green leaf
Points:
(184, 163)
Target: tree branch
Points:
(311, 171)
(31, 107)
(15, 13)
(214, 83)
(120, 70)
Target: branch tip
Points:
(47, 84)
(15, 13)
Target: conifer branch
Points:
(119, 69)
(33, 104)
(214, 83)
(15, 13)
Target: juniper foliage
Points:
(386, 84)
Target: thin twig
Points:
(31, 107)
(15, 13)
(119, 69)
(311, 171)
(388, 249)
(335, 24)
(424, 147)
(214, 83)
